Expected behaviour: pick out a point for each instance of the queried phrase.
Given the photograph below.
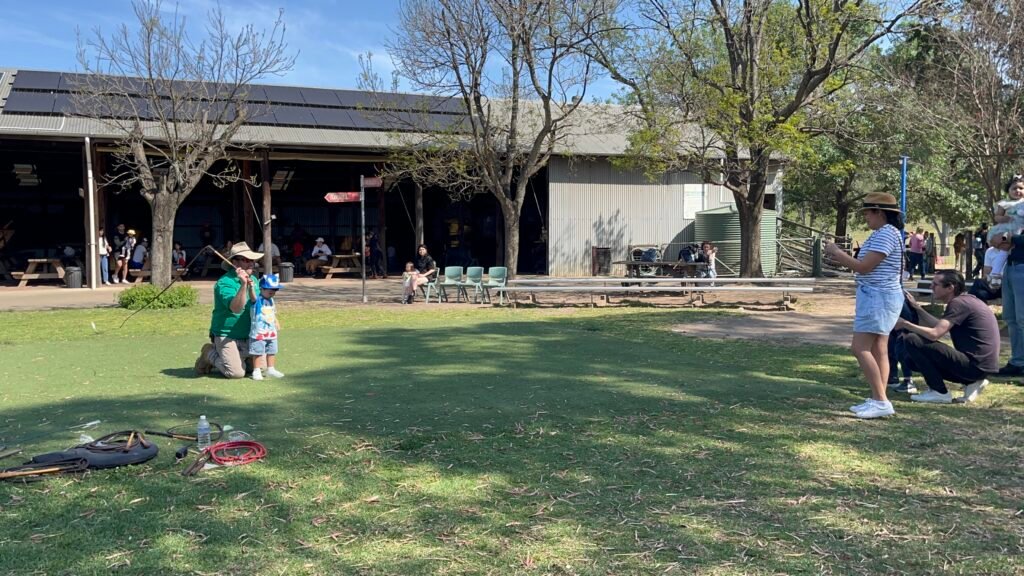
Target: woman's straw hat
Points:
(880, 201)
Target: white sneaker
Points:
(876, 410)
(972, 390)
(933, 397)
(862, 406)
(257, 374)
(117, 280)
(274, 373)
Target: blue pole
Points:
(903, 190)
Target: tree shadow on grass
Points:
(503, 446)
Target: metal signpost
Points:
(334, 197)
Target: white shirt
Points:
(274, 250)
(322, 252)
(996, 260)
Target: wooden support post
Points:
(247, 209)
(268, 251)
(419, 216)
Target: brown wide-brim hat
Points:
(242, 249)
(880, 201)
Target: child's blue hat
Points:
(270, 282)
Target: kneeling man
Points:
(230, 321)
(975, 333)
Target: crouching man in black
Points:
(975, 333)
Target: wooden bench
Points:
(336, 267)
(140, 275)
(30, 273)
(513, 289)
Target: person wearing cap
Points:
(878, 270)
(124, 257)
(320, 255)
(974, 331)
(231, 320)
(265, 327)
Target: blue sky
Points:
(328, 34)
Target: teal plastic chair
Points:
(474, 280)
(452, 279)
(429, 287)
(496, 278)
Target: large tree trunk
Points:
(510, 210)
(750, 238)
(751, 210)
(164, 208)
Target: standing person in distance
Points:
(915, 252)
(878, 271)
(103, 251)
(980, 245)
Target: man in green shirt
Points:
(230, 321)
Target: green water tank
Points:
(721, 227)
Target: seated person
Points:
(425, 266)
(990, 285)
(67, 257)
(275, 253)
(139, 255)
(975, 333)
(319, 256)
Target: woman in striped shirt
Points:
(878, 272)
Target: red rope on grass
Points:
(236, 453)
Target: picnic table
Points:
(342, 263)
(674, 268)
(42, 265)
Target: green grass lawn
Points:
(421, 440)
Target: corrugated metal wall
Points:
(593, 204)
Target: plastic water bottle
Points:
(203, 433)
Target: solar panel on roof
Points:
(366, 119)
(284, 94)
(319, 97)
(64, 105)
(261, 114)
(256, 94)
(293, 115)
(33, 102)
(332, 118)
(71, 82)
(33, 80)
(353, 99)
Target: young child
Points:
(263, 334)
(409, 282)
(178, 255)
(1011, 210)
(710, 252)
